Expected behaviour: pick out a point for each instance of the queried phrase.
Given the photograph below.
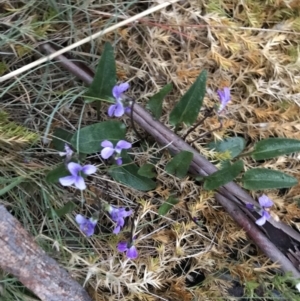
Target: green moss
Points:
(215, 6)
(12, 133)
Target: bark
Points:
(23, 258)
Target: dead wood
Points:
(23, 258)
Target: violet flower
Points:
(118, 109)
(76, 178)
(130, 249)
(224, 99)
(68, 152)
(265, 203)
(109, 150)
(87, 226)
(118, 215)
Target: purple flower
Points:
(118, 109)
(224, 99)
(76, 170)
(109, 150)
(264, 202)
(118, 215)
(130, 249)
(87, 226)
(250, 206)
(68, 152)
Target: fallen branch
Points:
(23, 258)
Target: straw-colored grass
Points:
(251, 46)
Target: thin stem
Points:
(209, 132)
(207, 114)
(98, 109)
(132, 223)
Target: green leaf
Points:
(91, 136)
(105, 77)
(262, 178)
(13, 183)
(56, 173)
(128, 174)
(67, 208)
(180, 164)
(147, 171)
(234, 144)
(167, 205)
(156, 101)
(223, 176)
(274, 147)
(60, 137)
(187, 109)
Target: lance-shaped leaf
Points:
(262, 178)
(127, 174)
(60, 138)
(223, 176)
(167, 205)
(274, 147)
(147, 170)
(188, 108)
(56, 173)
(235, 145)
(67, 208)
(180, 164)
(105, 77)
(87, 140)
(156, 101)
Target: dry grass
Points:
(253, 47)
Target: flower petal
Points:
(261, 221)
(89, 169)
(115, 213)
(107, 152)
(119, 161)
(221, 95)
(88, 229)
(122, 246)
(227, 94)
(119, 111)
(74, 168)
(264, 201)
(111, 110)
(122, 144)
(250, 206)
(79, 183)
(80, 219)
(117, 230)
(67, 181)
(107, 143)
(120, 222)
(266, 214)
(132, 252)
(118, 90)
(87, 226)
